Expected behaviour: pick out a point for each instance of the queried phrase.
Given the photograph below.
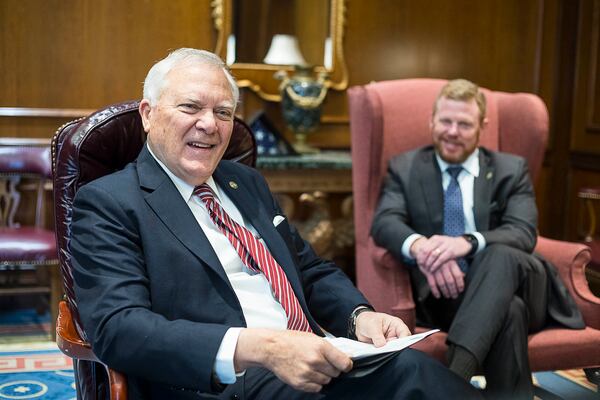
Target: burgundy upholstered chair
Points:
(82, 151)
(387, 118)
(28, 256)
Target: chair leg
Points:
(42, 280)
(56, 294)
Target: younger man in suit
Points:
(467, 218)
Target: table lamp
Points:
(301, 94)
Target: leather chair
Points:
(28, 254)
(387, 118)
(82, 151)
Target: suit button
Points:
(235, 397)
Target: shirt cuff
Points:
(223, 367)
(480, 241)
(407, 243)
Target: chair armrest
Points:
(67, 338)
(571, 259)
(396, 284)
(71, 344)
(118, 384)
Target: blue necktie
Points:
(454, 216)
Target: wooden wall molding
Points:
(45, 112)
(83, 55)
(590, 162)
(593, 109)
(585, 127)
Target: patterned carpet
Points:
(569, 385)
(40, 372)
(31, 366)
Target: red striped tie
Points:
(256, 257)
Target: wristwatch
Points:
(472, 239)
(352, 320)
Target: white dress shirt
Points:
(466, 181)
(259, 306)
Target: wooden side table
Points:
(315, 191)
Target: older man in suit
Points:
(466, 218)
(190, 280)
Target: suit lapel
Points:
(166, 201)
(431, 184)
(482, 190)
(164, 198)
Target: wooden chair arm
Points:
(118, 384)
(71, 344)
(67, 337)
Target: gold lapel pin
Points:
(233, 185)
(489, 175)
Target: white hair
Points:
(156, 78)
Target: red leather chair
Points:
(387, 118)
(82, 151)
(28, 256)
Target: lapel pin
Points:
(489, 175)
(233, 185)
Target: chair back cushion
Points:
(24, 170)
(102, 143)
(25, 160)
(391, 117)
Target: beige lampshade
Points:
(284, 50)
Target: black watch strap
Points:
(352, 319)
(472, 239)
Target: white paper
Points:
(357, 350)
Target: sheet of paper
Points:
(357, 350)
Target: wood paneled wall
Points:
(392, 39)
(585, 128)
(86, 54)
(583, 163)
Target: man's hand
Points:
(378, 328)
(303, 360)
(448, 280)
(434, 252)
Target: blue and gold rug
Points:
(32, 367)
(39, 372)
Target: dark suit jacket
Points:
(412, 201)
(153, 296)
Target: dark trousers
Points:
(410, 375)
(505, 298)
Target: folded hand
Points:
(447, 280)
